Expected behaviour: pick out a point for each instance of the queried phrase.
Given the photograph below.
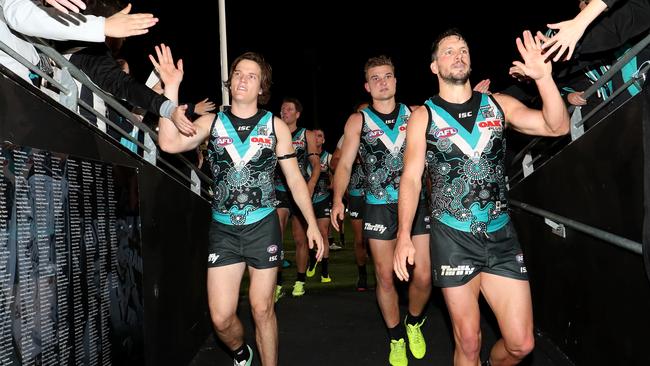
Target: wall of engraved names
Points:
(70, 261)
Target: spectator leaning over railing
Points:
(601, 25)
(28, 18)
(97, 61)
(599, 35)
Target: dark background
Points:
(318, 49)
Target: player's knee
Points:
(521, 346)
(470, 344)
(422, 280)
(262, 310)
(385, 281)
(222, 322)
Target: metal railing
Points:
(69, 93)
(603, 235)
(577, 120)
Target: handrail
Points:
(603, 235)
(592, 89)
(526, 149)
(33, 68)
(110, 123)
(113, 103)
(641, 74)
(618, 65)
(44, 48)
(83, 79)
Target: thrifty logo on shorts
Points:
(456, 271)
(212, 258)
(375, 227)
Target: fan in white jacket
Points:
(32, 19)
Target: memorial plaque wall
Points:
(70, 261)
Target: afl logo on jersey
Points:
(374, 134)
(445, 132)
(223, 141)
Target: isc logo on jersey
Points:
(491, 125)
(445, 132)
(223, 141)
(262, 141)
(375, 134)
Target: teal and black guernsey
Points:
(357, 181)
(242, 158)
(322, 189)
(465, 158)
(382, 152)
(299, 142)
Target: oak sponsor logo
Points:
(263, 141)
(492, 125)
(298, 143)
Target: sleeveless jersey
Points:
(299, 142)
(322, 190)
(242, 170)
(357, 181)
(382, 154)
(468, 188)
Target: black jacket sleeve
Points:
(624, 20)
(103, 70)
